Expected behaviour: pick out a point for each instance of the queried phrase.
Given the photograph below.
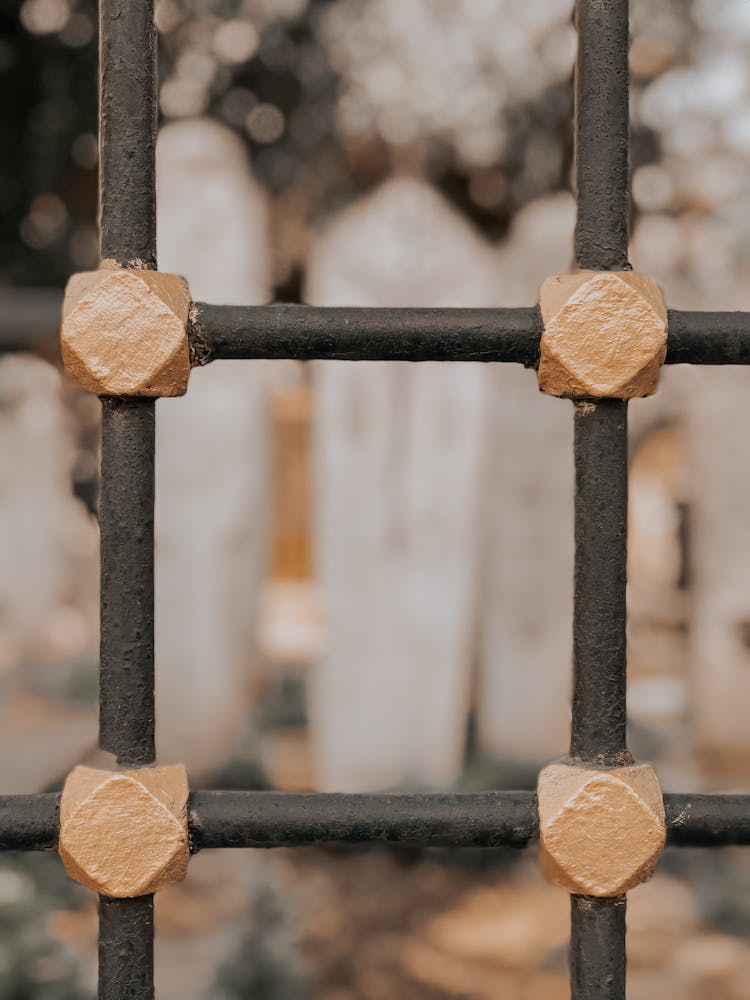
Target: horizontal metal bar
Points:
(308, 333)
(707, 820)
(482, 819)
(29, 822)
(708, 338)
(278, 819)
(29, 318)
(282, 819)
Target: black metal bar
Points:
(280, 819)
(481, 819)
(708, 338)
(597, 956)
(598, 728)
(707, 820)
(271, 819)
(127, 132)
(309, 333)
(29, 822)
(127, 139)
(126, 519)
(602, 130)
(598, 731)
(128, 235)
(30, 320)
(126, 948)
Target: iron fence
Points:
(223, 819)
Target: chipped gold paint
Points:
(125, 833)
(124, 332)
(601, 832)
(605, 335)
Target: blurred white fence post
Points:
(212, 454)
(718, 416)
(399, 453)
(48, 543)
(525, 647)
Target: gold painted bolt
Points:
(125, 833)
(601, 832)
(124, 332)
(605, 335)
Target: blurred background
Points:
(364, 572)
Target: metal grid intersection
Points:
(128, 122)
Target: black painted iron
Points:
(126, 524)
(602, 135)
(270, 819)
(126, 948)
(127, 132)
(708, 338)
(598, 726)
(127, 192)
(481, 819)
(29, 321)
(29, 822)
(597, 953)
(601, 508)
(281, 819)
(310, 333)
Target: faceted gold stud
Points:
(125, 833)
(124, 332)
(605, 335)
(601, 832)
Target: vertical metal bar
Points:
(127, 132)
(597, 969)
(128, 235)
(598, 736)
(601, 141)
(127, 139)
(126, 519)
(126, 948)
(601, 510)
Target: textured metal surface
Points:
(602, 129)
(128, 234)
(597, 936)
(482, 819)
(597, 958)
(277, 819)
(308, 333)
(127, 131)
(601, 455)
(127, 139)
(269, 819)
(126, 519)
(707, 820)
(126, 948)
(29, 822)
(30, 320)
(708, 338)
